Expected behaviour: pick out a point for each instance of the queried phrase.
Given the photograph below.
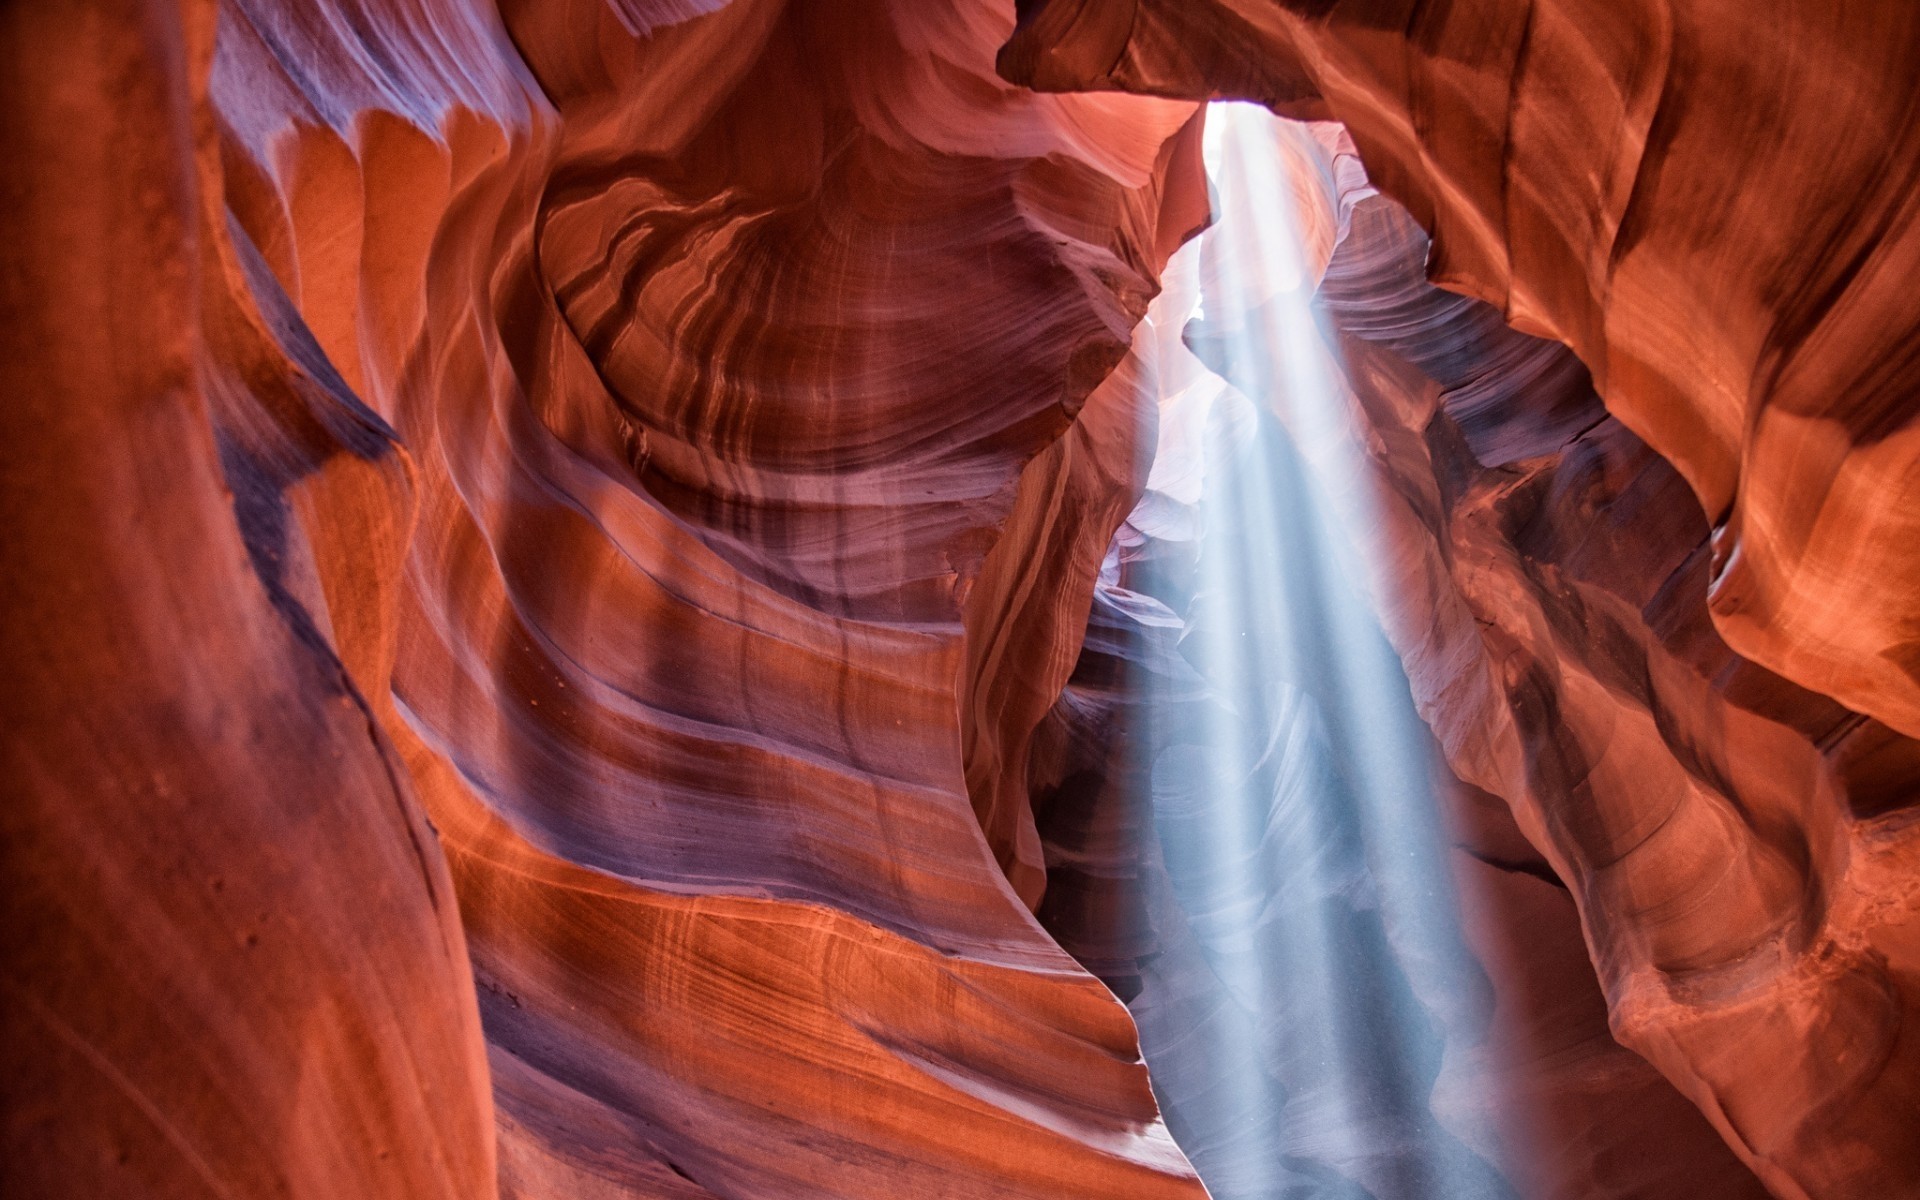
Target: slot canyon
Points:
(897, 599)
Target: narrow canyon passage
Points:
(1069, 599)
(1324, 1013)
(1291, 798)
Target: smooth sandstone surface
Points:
(1721, 828)
(542, 545)
(516, 498)
(234, 962)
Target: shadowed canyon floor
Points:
(601, 597)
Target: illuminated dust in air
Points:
(1289, 775)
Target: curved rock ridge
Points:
(1740, 850)
(664, 443)
(233, 960)
(1714, 204)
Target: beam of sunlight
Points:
(1294, 799)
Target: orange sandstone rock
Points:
(585, 425)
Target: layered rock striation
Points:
(1735, 842)
(1712, 204)
(543, 543)
(559, 499)
(1499, 1074)
(1710, 208)
(1544, 577)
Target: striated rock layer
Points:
(1713, 205)
(234, 964)
(640, 437)
(540, 543)
(1741, 849)
(1483, 991)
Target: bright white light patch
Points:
(1292, 792)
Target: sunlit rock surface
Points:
(640, 441)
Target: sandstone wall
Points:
(539, 498)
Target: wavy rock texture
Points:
(1493, 1006)
(1530, 1094)
(1712, 207)
(670, 445)
(643, 438)
(233, 960)
(1712, 203)
(1740, 849)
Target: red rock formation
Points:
(1525, 1074)
(1722, 829)
(1713, 221)
(233, 959)
(597, 393)
(670, 443)
(1733, 839)
(1712, 203)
